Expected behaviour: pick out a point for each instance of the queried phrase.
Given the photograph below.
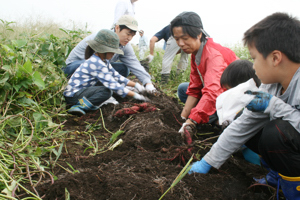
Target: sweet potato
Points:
(150, 109)
(143, 107)
(125, 111)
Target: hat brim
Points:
(132, 27)
(100, 48)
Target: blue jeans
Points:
(121, 68)
(118, 66)
(181, 91)
(95, 94)
(71, 68)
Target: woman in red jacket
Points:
(208, 62)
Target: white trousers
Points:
(171, 50)
(143, 49)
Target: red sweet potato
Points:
(150, 109)
(143, 106)
(125, 111)
(188, 137)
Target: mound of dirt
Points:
(147, 162)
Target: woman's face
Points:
(186, 42)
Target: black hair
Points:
(278, 31)
(88, 52)
(186, 29)
(237, 72)
(125, 27)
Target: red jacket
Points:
(215, 58)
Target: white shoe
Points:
(110, 100)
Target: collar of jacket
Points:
(199, 53)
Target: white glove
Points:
(150, 88)
(139, 87)
(181, 130)
(150, 58)
(182, 117)
(140, 97)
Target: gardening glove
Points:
(150, 88)
(140, 97)
(150, 58)
(260, 101)
(139, 87)
(191, 128)
(250, 155)
(201, 167)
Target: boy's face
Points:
(125, 35)
(264, 67)
(187, 43)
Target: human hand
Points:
(191, 128)
(260, 101)
(225, 124)
(250, 155)
(139, 87)
(150, 88)
(201, 167)
(140, 97)
(150, 58)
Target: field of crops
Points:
(39, 141)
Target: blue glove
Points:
(250, 155)
(260, 101)
(201, 167)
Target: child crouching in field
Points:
(84, 91)
(237, 72)
(270, 123)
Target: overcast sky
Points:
(224, 20)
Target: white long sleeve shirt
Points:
(285, 107)
(123, 7)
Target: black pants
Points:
(279, 145)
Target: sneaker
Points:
(110, 100)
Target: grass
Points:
(37, 27)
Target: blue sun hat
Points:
(106, 41)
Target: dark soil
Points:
(141, 167)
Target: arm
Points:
(206, 106)
(153, 40)
(130, 60)
(111, 79)
(234, 136)
(278, 109)
(190, 103)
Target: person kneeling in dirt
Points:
(270, 123)
(237, 72)
(125, 28)
(84, 91)
(236, 79)
(208, 62)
